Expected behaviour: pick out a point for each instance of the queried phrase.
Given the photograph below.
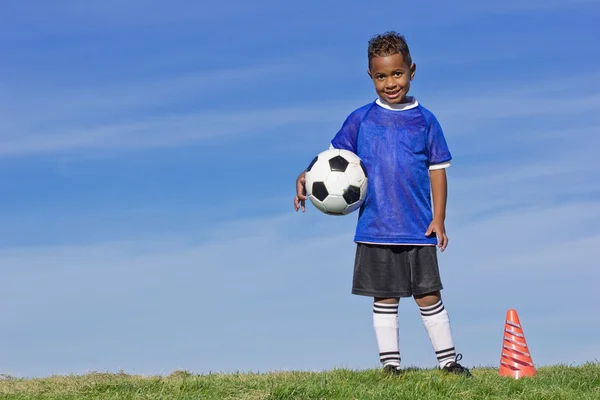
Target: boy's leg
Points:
(385, 322)
(436, 321)
(426, 285)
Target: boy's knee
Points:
(428, 299)
(386, 300)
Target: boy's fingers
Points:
(299, 203)
(444, 242)
(300, 194)
(441, 239)
(429, 231)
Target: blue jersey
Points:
(399, 147)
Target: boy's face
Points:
(392, 76)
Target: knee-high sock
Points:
(385, 322)
(436, 321)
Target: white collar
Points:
(412, 103)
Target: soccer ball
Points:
(336, 182)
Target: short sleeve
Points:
(346, 137)
(438, 153)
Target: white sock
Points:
(436, 321)
(385, 322)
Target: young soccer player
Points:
(405, 153)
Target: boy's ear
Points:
(369, 72)
(413, 69)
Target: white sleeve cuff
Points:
(439, 166)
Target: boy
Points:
(405, 154)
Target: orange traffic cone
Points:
(515, 360)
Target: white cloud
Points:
(273, 293)
(260, 285)
(27, 132)
(50, 103)
(169, 131)
(574, 101)
(464, 10)
(213, 297)
(504, 183)
(138, 114)
(496, 106)
(533, 5)
(71, 16)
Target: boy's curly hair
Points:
(388, 44)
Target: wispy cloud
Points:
(202, 285)
(501, 101)
(534, 5)
(291, 264)
(473, 9)
(70, 16)
(465, 114)
(500, 222)
(506, 107)
(74, 15)
(168, 131)
(42, 118)
(215, 278)
(31, 101)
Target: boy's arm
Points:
(439, 192)
(344, 139)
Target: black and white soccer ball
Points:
(336, 182)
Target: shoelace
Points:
(453, 364)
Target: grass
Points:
(550, 383)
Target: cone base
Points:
(524, 373)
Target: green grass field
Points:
(556, 382)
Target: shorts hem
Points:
(428, 290)
(371, 293)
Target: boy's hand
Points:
(300, 199)
(440, 231)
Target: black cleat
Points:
(393, 369)
(455, 368)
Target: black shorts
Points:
(395, 270)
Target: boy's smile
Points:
(391, 76)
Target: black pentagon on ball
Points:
(362, 165)
(312, 163)
(352, 194)
(320, 191)
(338, 163)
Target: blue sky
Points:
(148, 152)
